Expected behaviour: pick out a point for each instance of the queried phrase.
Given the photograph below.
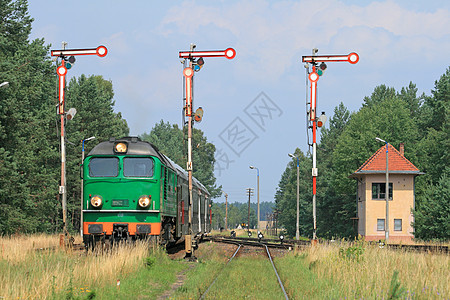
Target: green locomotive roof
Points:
(135, 147)
(138, 147)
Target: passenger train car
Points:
(133, 191)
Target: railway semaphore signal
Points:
(317, 71)
(229, 53)
(193, 62)
(67, 57)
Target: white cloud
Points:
(150, 97)
(269, 35)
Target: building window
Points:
(379, 191)
(397, 224)
(380, 224)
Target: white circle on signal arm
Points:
(188, 72)
(353, 58)
(62, 70)
(313, 76)
(230, 53)
(101, 51)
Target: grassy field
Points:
(362, 271)
(33, 267)
(336, 271)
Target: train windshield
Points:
(138, 167)
(104, 167)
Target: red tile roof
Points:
(397, 163)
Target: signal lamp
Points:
(281, 238)
(198, 116)
(71, 113)
(69, 61)
(120, 148)
(321, 120)
(198, 64)
(322, 68)
(144, 201)
(249, 233)
(96, 201)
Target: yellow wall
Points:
(399, 208)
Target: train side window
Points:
(104, 167)
(137, 167)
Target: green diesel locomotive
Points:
(133, 191)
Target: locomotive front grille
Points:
(95, 228)
(143, 229)
(120, 227)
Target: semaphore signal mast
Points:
(67, 60)
(313, 76)
(193, 62)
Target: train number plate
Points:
(119, 203)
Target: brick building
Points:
(371, 195)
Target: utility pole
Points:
(249, 194)
(67, 59)
(297, 230)
(257, 175)
(226, 210)
(313, 77)
(276, 221)
(193, 61)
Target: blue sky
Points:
(397, 41)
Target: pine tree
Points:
(171, 141)
(28, 148)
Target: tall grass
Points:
(366, 271)
(33, 267)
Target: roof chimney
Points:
(402, 149)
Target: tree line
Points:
(30, 155)
(30, 158)
(419, 121)
(238, 213)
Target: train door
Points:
(180, 213)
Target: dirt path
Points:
(181, 277)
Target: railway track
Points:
(443, 249)
(242, 244)
(290, 244)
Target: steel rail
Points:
(276, 273)
(286, 241)
(252, 244)
(207, 290)
(438, 249)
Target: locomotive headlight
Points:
(120, 148)
(144, 201)
(96, 201)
